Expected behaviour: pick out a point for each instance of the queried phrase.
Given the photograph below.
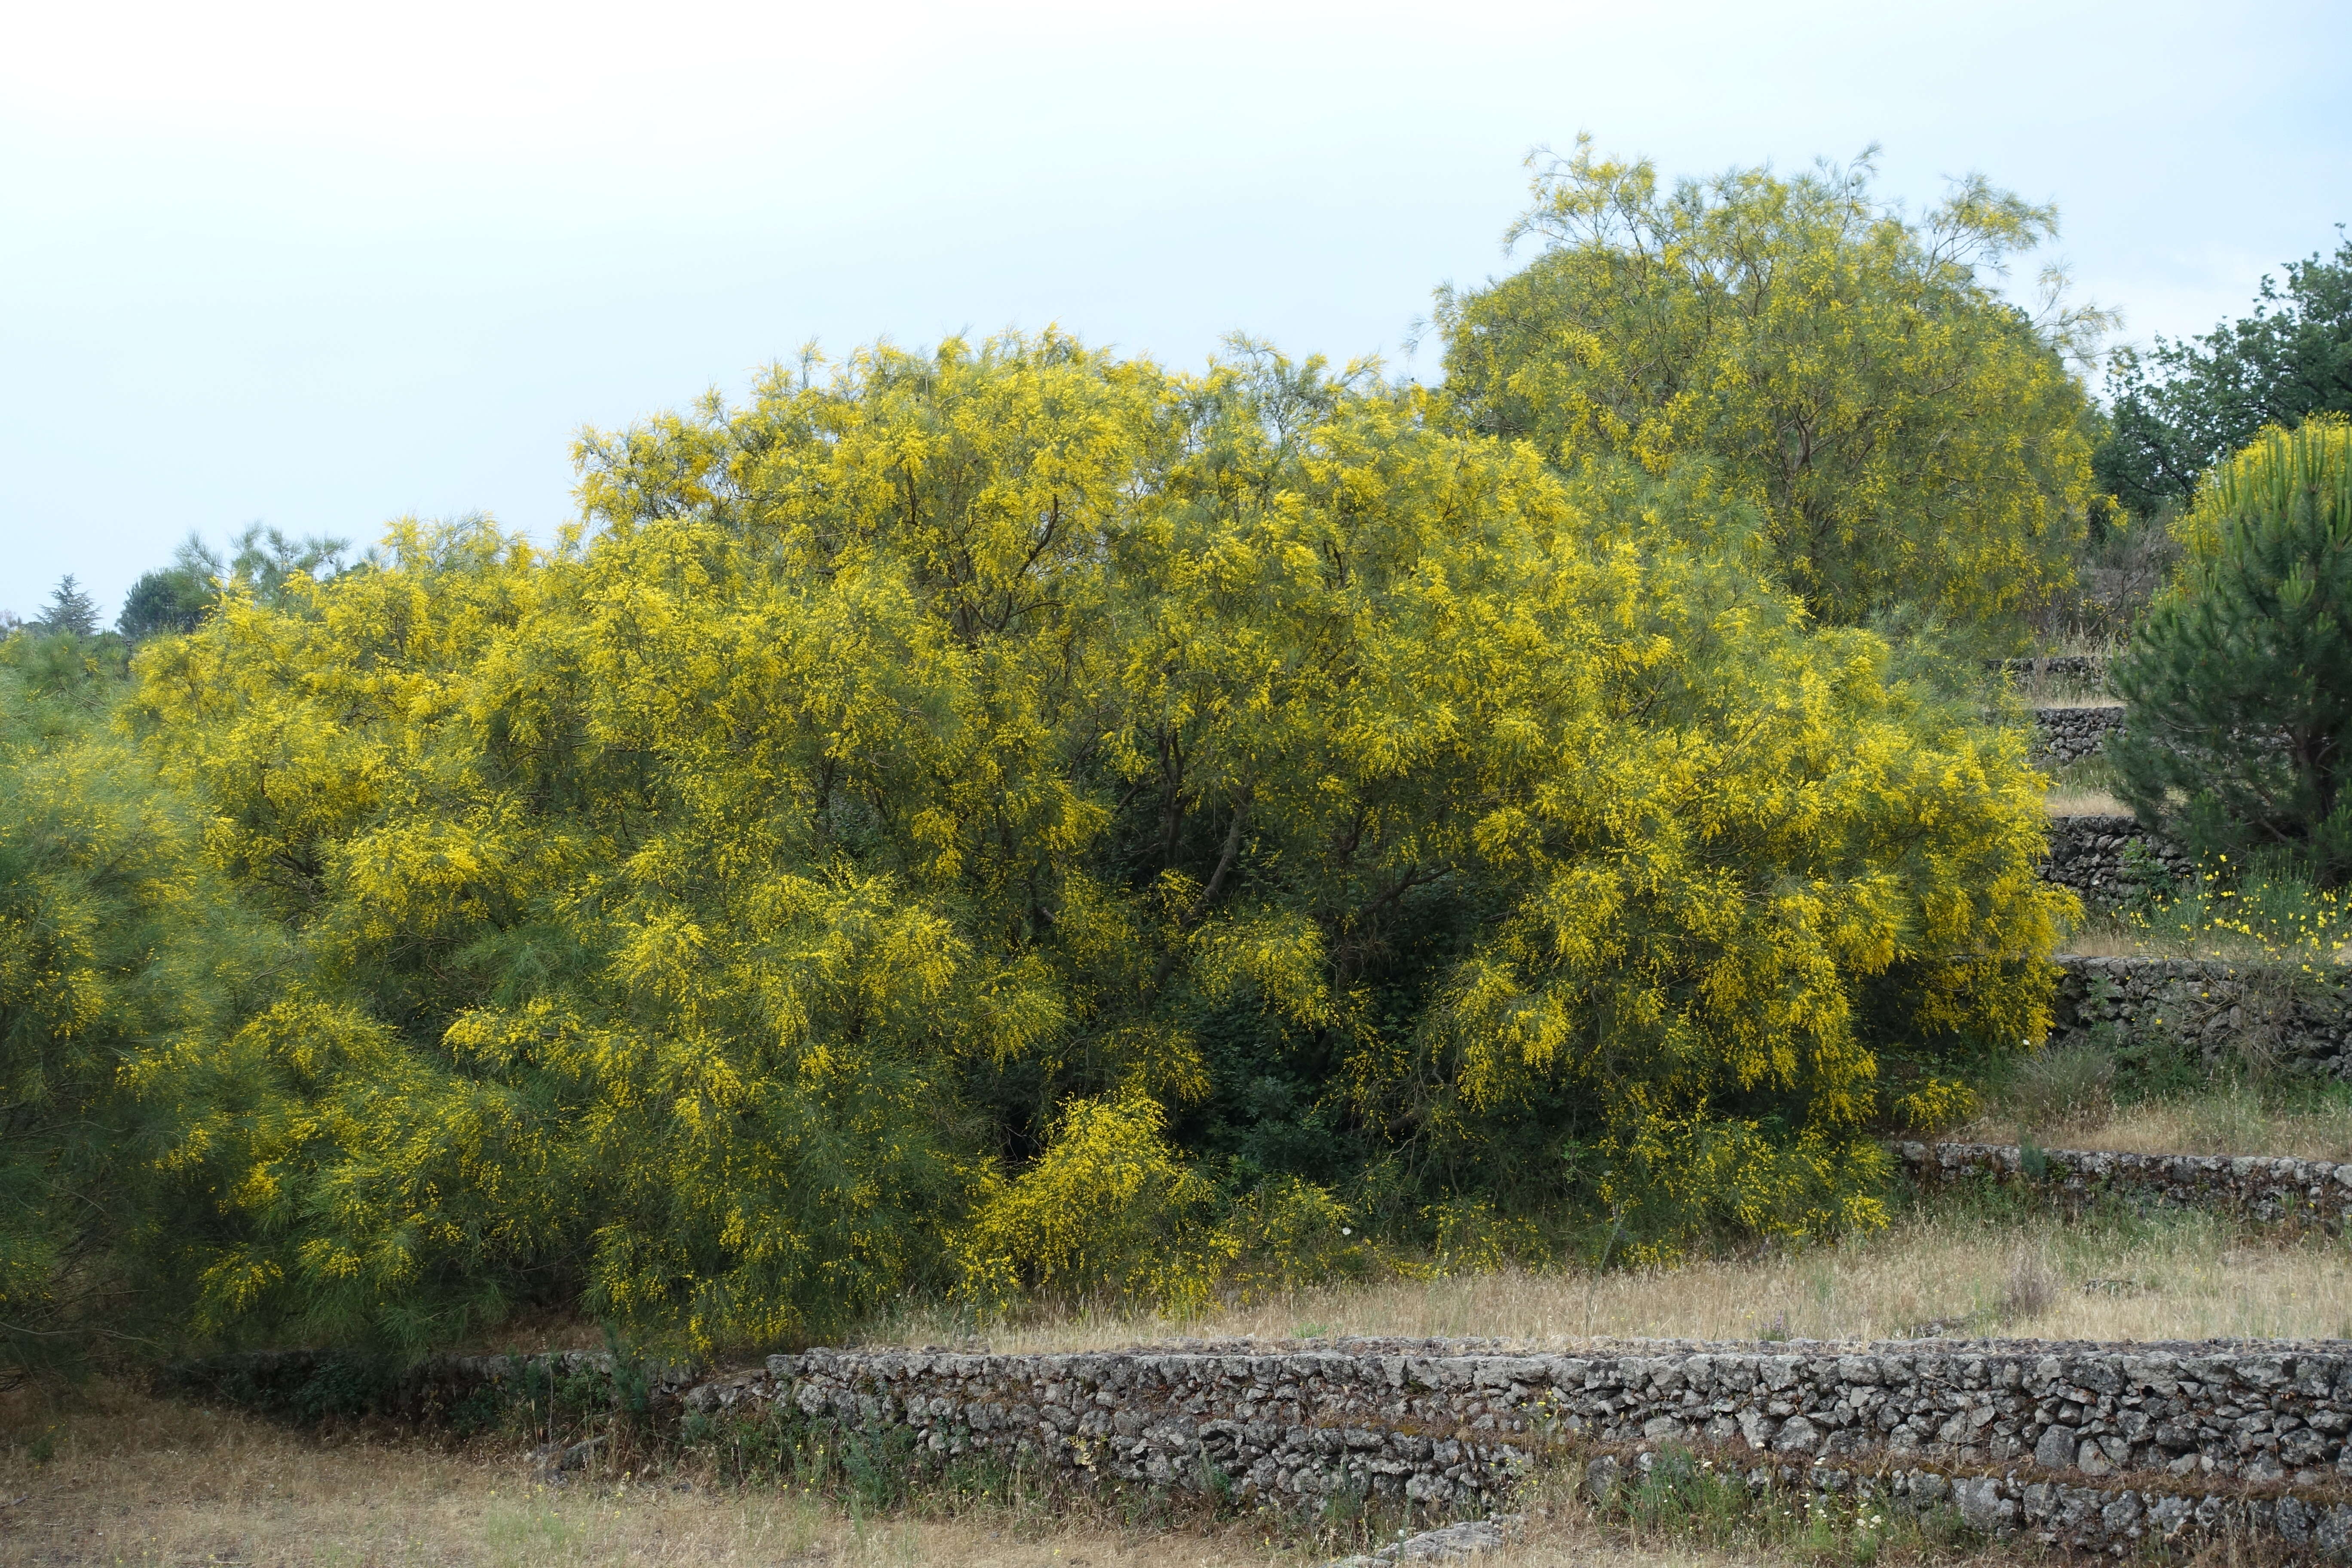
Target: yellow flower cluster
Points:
(2251, 913)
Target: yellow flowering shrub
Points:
(1107, 1208)
(1015, 818)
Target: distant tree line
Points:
(2186, 404)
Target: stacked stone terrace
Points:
(2271, 1188)
(2086, 1446)
(2105, 859)
(2068, 734)
(2296, 1020)
(2063, 731)
(1435, 1418)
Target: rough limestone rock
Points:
(1442, 1545)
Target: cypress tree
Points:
(70, 610)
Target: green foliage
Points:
(268, 563)
(1014, 815)
(1107, 1208)
(2187, 404)
(2240, 680)
(174, 598)
(302, 1388)
(114, 939)
(1916, 445)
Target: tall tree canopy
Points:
(2187, 404)
(1913, 442)
(1012, 771)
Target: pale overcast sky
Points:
(322, 265)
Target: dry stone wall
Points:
(1447, 1420)
(2105, 859)
(2083, 1444)
(2273, 1188)
(2295, 1020)
(1394, 1419)
(2062, 735)
(2087, 1447)
(2077, 1518)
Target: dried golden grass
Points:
(2050, 690)
(2105, 939)
(2226, 1122)
(2105, 936)
(2084, 803)
(135, 1479)
(2186, 1277)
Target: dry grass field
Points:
(2084, 801)
(100, 1475)
(2183, 1277)
(132, 1479)
(2223, 1122)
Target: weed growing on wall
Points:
(2262, 908)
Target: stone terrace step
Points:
(2094, 855)
(2271, 1187)
(2067, 734)
(2087, 1446)
(2297, 1017)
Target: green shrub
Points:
(1917, 451)
(117, 938)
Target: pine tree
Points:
(173, 599)
(2240, 681)
(70, 610)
